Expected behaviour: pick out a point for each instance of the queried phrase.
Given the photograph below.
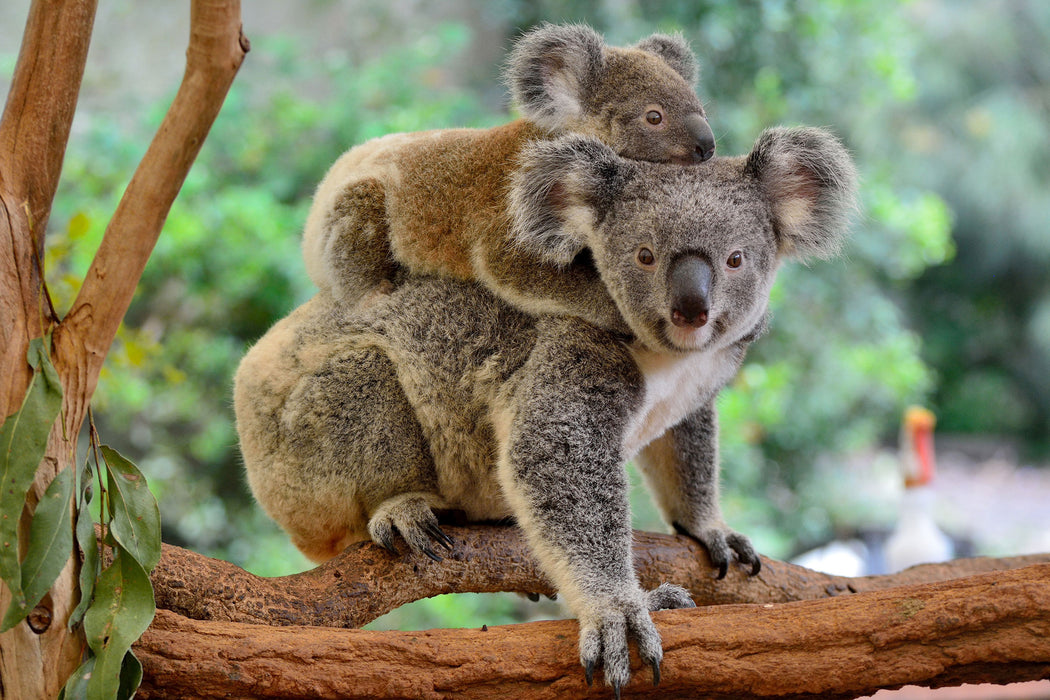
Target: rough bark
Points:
(33, 135)
(985, 628)
(366, 581)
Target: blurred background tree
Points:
(943, 296)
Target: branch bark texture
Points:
(986, 628)
(366, 581)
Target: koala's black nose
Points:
(702, 135)
(689, 281)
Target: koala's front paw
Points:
(721, 542)
(607, 626)
(413, 517)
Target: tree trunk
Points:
(36, 659)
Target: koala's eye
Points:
(646, 257)
(735, 260)
(654, 117)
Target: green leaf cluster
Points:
(116, 603)
(23, 441)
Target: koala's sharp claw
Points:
(616, 689)
(756, 566)
(534, 597)
(387, 543)
(439, 535)
(723, 569)
(656, 673)
(588, 672)
(432, 554)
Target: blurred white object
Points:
(838, 558)
(916, 538)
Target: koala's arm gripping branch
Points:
(366, 581)
(985, 628)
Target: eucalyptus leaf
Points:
(50, 545)
(91, 565)
(130, 676)
(136, 517)
(121, 611)
(76, 686)
(23, 441)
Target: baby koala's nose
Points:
(704, 138)
(689, 280)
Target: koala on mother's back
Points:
(433, 202)
(360, 422)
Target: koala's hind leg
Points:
(356, 242)
(360, 451)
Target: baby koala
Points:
(434, 202)
(360, 422)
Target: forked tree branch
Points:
(986, 628)
(34, 131)
(216, 49)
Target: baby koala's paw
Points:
(413, 517)
(607, 626)
(722, 543)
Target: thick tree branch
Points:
(985, 628)
(366, 581)
(216, 49)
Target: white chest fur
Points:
(675, 386)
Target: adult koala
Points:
(358, 423)
(434, 202)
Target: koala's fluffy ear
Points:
(675, 50)
(551, 70)
(559, 193)
(811, 183)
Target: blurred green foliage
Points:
(944, 106)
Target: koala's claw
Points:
(411, 515)
(605, 636)
(721, 544)
(439, 535)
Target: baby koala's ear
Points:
(551, 72)
(675, 51)
(810, 181)
(560, 191)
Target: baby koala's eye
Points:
(654, 117)
(645, 257)
(735, 260)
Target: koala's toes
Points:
(381, 530)
(722, 544)
(604, 641)
(668, 596)
(745, 552)
(413, 518)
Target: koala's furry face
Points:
(639, 100)
(679, 237)
(645, 110)
(688, 254)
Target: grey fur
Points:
(550, 70)
(674, 49)
(356, 422)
